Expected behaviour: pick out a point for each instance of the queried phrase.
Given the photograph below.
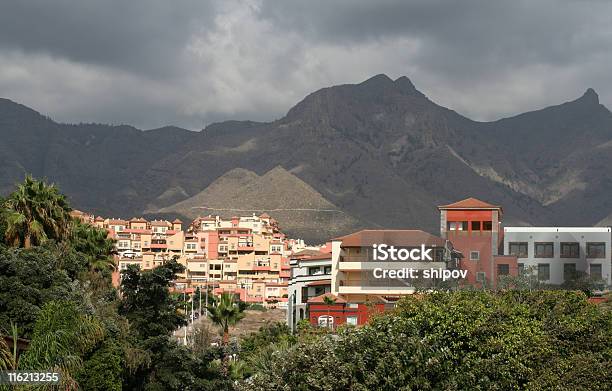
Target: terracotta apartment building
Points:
(247, 255)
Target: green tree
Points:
(34, 213)
(62, 336)
(461, 340)
(95, 244)
(147, 302)
(28, 280)
(226, 312)
(104, 368)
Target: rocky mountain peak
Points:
(590, 97)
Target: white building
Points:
(557, 253)
(310, 277)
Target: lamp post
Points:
(200, 302)
(206, 309)
(185, 300)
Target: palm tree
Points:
(329, 301)
(95, 244)
(34, 213)
(226, 312)
(61, 337)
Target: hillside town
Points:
(335, 283)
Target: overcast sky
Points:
(193, 62)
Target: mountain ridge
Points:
(380, 151)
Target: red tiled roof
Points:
(160, 223)
(469, 203)
(320, 299)
(394, 237)
(317, 257)
(319, 283)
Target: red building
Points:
(340, 312)
(474, 228)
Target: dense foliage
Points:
(457, 341)
(56, 293)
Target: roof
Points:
(392, 237)
(321, 299)
(319, 283)
(559, 229)
(117, 222)
(317, 257)
(470, 203)
(264, 215)
(177, 221)
(160, 223)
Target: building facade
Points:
(474, 228)
(559, 254)
(310, 278)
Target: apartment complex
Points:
(560, 254)
(247, 255)
(346, 276)
(310, 278)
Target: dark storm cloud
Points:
(459, 36)
(190, 62)
(136, 35)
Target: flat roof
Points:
(557, 229)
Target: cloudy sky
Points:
(193, 62)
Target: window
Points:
(543, 271)
(596, 250)
(328, 269)
(319, 290)
(481, 276)
(475, 225)
(595, 271)
(569, 271)
(570, 250)
(543, 250)
(351, 320)
(503, 269)
(521, 269)
(313, 271)
(326, 321)
(474, 255)
(487, 226)
(457, 225)
(519, 249)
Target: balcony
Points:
(371, 265)
(376, 290)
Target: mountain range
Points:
(374, 154)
